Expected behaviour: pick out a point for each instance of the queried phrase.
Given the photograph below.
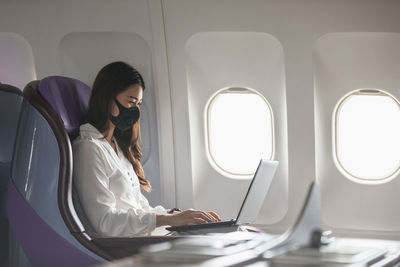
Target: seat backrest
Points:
(40, 190)
(10, 105)
(69, 98)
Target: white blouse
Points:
(109, 188)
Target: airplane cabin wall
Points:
(166, 31)
(345, 62)
(219, 60)
(16, 57)
(297, 25)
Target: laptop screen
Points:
(257, 191)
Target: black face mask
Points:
(126, 117)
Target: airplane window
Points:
(366, 136)
(239, 131)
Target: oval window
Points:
(366, 136)
(239, 124)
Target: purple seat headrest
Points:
(69, 98)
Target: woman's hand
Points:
(187, 217)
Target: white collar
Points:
(88, 131)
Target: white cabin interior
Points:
(302, 56)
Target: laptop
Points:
(252, 202)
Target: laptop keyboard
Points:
(182, 228)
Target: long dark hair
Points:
(113, 79)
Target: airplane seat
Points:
(40, 158)
(68, 98)
(10, 104)
(42, 173)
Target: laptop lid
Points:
(257, 191)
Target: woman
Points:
(108, 174)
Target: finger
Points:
(199, 220)
(205, 216)
(215, 215)
(212, 218)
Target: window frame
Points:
(335, 115)
(208, 107)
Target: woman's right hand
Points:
(187, 217)
(191, 217)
